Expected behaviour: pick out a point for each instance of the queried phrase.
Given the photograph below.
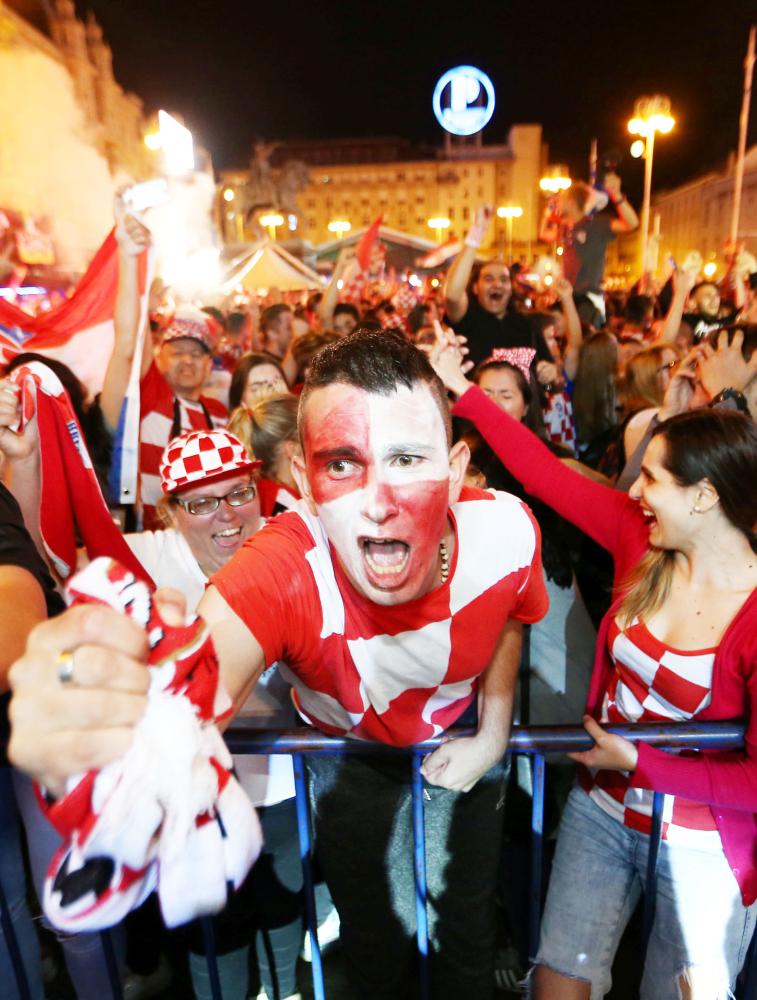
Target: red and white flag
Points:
(79, 331)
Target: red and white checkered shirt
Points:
(155, 422)
(558, 419)
(398, 674)
(654, 683)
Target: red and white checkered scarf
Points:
(169, 814)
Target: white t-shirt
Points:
(168, 559)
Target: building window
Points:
(466, 213)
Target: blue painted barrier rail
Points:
(533, 741)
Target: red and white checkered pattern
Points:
(654, 683)
(519, 357)
(186, 826)
(397, 674)
(558, 419)
(201, 456)
(191, 323)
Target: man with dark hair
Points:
(396, 597)
(276, 327)
(478, 301)
(706, 312)
(346, 318)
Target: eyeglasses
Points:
(238, 497)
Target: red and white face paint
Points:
(379, 476)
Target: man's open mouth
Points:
(385, 557)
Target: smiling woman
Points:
(679, 643)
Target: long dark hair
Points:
(241, 373)
(718, 445)
(533, 418)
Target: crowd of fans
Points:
(624, 426)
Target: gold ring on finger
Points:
(65, 665)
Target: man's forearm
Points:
(457, 282)
(496, 692)
(626, 213)
(126, 322)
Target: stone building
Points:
(356, 180)
(70, 134)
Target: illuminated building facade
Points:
(356, 180)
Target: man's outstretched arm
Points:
(60, 730)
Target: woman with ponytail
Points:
(678, 643)
(268, 429)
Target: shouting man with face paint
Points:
(396, 597)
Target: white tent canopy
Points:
(269, 265)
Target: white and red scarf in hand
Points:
(168, 815)
(70, 495)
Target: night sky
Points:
(275, 69)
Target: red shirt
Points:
(726, 781)
(156, 416)
(397, 674)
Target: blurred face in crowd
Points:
(344, 323)
(185, 365)
(707, 300)
(493, 288)
(501, 386)
(216, 536)
(263, 380)
(379, 473)
(668, 363)
(279, 334)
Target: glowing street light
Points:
(556, 179)
(340, 227)
(228, 195)
(439, 223)
(637, 148)
(508, 213)
(174, 140)
(709, 269)
(271, 221)
(650, 115)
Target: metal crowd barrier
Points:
(534, 741)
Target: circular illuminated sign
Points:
(464, 100)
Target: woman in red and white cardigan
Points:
(679, 642)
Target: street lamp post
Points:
(340, 227)
(439, 224)
(650, 115)
(271, 221)
(508, 213)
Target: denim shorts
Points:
(598, 875)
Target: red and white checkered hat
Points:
(192, 323)
(200, 457)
